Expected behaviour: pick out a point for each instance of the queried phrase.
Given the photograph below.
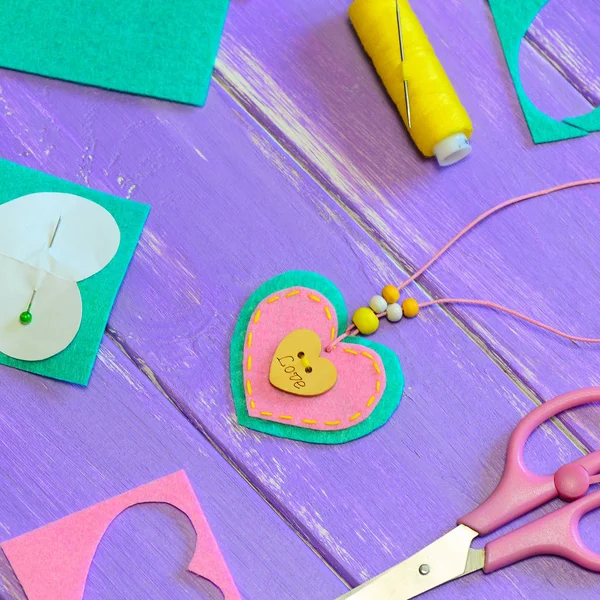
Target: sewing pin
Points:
(55, 232)
(402, 58)
(26, 317)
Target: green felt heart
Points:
(394, 386)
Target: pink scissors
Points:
(519, 492)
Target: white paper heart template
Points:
(48, 242)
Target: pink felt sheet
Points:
(52, 562)
(361, 374)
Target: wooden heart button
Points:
(298, 367)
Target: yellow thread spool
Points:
(441, 126)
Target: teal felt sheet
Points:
(513, 19)
(75, 363)
(394, 377)
(160, 48)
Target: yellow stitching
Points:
(328, 315)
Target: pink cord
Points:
(513, 313)
(352, 330)
(488, 304)
(489, 213)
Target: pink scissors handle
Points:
(557, 533)
(521, 491)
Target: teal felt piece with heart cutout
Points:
(513, 19)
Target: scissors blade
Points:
(446, 559)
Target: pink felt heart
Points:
(361, 376)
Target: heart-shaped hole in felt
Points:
(146, 551)
(370, 380)
(565, 27)
(513, 20)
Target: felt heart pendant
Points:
(273, 325)
(298, 368)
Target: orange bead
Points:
(410, 308)
(391, 294)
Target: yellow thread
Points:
(377, 385)
(256, 317)
(377, 368)
(350, 351)
(333, 335)
(305, 362)
(367, 355)
(327, 313)
(273, 299)
(287, 417)
(332, 423)
(249, 387)
(252, 404)
(309, 421)
(436, 110)
(354, 417)
(266, 414)
(314, 298)
(371, 400)
(292, 294)
(249, 362)
(250, 340)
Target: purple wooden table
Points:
(299, 161)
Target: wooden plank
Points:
(64, 448)
(231, 209)
(567, 33)
(312, 87)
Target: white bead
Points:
(378, 304)
(394, 312)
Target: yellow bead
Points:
(366, 321)
(410, 308)
(391, 294)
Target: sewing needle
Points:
(402, 58)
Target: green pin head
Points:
(25, 317)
